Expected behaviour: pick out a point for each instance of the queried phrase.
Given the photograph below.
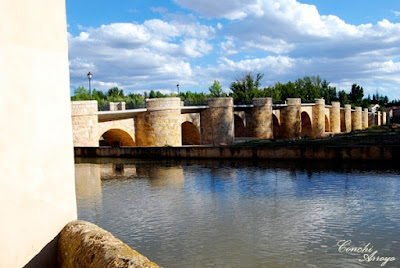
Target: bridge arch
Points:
(276, 126)
(306, 126)
(240, 129)
(117, 137)
(327, 124)
(190, 134)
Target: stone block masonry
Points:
(217, 122)
(85, 123)
(165, 123)
(260, 119)
(161, 124)
(291, 119)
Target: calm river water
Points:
(245, 214)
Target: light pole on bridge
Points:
(89, 76)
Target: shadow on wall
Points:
(47, 257)
(190, 134)
(116, 138)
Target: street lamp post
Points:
(178, 89)
(89, 76)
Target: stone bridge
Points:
(164, 122)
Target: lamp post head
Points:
(89, 75)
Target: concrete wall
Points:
(37, 191)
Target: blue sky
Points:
(153, 45)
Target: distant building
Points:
(374, 107)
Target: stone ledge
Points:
(83, 244)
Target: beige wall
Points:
(37, 191)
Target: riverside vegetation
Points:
(243, 90)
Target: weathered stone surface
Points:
(83, 244)
(291, 119)
(260, 119)
(347, 117)
(335, 117)
(365, 118)
(85, 123)
(217, 122)
(319, 118)
(357, 119)
(161, 124)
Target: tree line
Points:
(243, 90)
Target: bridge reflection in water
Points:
(241, 213)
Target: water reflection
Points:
(243, 214)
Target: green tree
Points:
(152, 95)
(80, 93)
(246, 88)
(343, 98)
(356, 95)
(115, 95)
(215, 90)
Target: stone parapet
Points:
(260, 102)
(85, 123)
(83, 244)
(163, 104)
(117, 106)
(84, 108)
(220, 102)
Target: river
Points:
(214, 213)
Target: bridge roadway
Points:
(104, 116)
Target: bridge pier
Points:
(357, 119)
(383, 118)
(160, 125)
(217, 122)
(347, 118)
(365, 118)
(318, 111)
(259, 124)
(378, 118)
(335, 117)
(291, 119)
(85, 123)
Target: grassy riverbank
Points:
(377, 135)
